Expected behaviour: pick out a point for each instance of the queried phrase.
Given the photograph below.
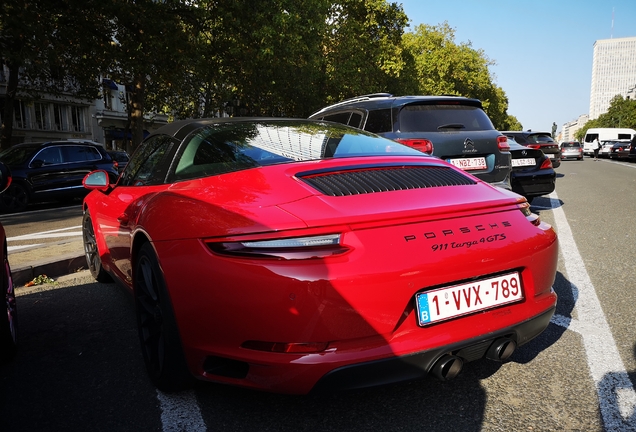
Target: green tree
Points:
(620, 114)
(148, 51)
(363, 49)
(47, 49)
(437, 65)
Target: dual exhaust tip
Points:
(449, 366)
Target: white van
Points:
(605, 134)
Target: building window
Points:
(60, 117)
(77, 118)
(42, 120)
(108, 99)
(20, 120)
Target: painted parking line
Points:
(617, 398)
(180, 412)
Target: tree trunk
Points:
(137, 110)
(7, 116)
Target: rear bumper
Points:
(416, 366)
(534, 185)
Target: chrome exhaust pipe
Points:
(501, 349)
(447, 367)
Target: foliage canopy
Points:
(202, 58)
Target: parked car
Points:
(47, 171)
(620, 150)
(121, 158)
(455, 129)
(571, 150)
(632, 149)
(8, 319)
(606, 149)
(293, 256)
(532, 172)
(538, 140)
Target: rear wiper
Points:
(452, 126)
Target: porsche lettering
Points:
(446, 233)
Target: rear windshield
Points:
(540, 138)
(437, 118)
(223, 148)
(571, 144)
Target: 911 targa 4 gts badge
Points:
(447, 239)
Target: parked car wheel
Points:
(91, 252)
(15, 198)
(9, 320)
(160, 342)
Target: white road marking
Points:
(625, 164)
(617, 398)
(19, 248)
(62, 232)
(180, 412)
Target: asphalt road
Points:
(42, 226)
(79, 365)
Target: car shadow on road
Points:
(565, 305)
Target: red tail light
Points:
(502, 143)
(423, 145)
(534, 146)
(547, 163)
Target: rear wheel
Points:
(158, 333)
(8, 320)
(93, 260)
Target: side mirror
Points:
(96, 180)
(37, 163)
(5, 177)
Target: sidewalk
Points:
(53, 260)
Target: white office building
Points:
(569, 129)
(613, 72)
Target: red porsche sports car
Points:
(297, 255)
(9, 318)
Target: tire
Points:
(15, 199)
(91, 252)
(8, 320)
(158, 332)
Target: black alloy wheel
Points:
(91, 252)
(158, 333)
(15, 198)
(8, 320)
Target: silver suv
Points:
(452, 128)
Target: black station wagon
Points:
(452, 128)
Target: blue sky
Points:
(542, 49)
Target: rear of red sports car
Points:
(341, 273)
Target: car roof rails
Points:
(355, 99)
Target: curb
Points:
(63, 265)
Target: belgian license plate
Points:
(469, 163)
(454, 301)
(523, 162)
(551, 156)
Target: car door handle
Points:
(123, 219)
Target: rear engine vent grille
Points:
(384, 179)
